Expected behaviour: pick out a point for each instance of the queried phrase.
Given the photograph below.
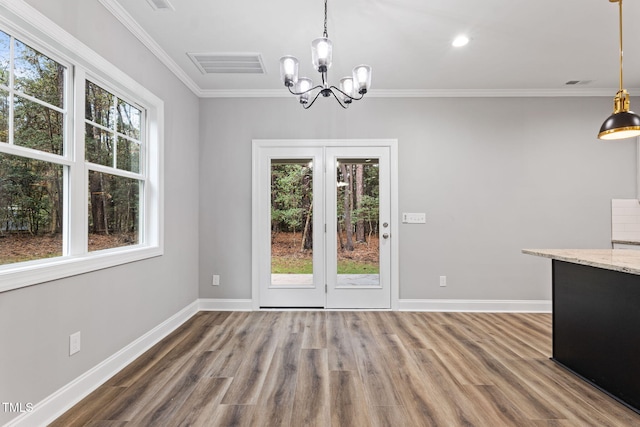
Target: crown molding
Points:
(424, 93)
(134, 28)
(490, 93)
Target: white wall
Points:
(493, 175)
(115, 306)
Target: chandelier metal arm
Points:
(347, 95)
(307, 106)
(338, 99)
(306, 91)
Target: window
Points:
(33, 123)
(113, 141)
(80, 164)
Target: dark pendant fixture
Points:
(352, 88)
(622, 123)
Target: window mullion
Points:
(39, 102)
(78, 175)
(33, 154)
(10, 92)
(116, 172)
(114, 131)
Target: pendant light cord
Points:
(620, 1)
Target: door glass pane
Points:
(291, 222)
(358, 254)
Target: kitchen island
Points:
(596, 317)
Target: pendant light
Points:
(622, 123)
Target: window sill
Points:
(14, 276)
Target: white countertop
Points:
(624, 260)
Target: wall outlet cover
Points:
(74, 343)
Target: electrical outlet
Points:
(216, 280)
(443, 280)
(74, 343)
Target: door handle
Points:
(385, 236)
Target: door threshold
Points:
(320, 309)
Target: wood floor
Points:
(350, 369)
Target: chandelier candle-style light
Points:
(351, 88)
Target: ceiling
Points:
(517, 46)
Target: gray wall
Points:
(115, 306)
(494, 175)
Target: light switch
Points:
(414, 218)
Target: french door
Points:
(322, 224)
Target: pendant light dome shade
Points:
(625, 124)
(622, 123)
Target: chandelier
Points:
(351, 88)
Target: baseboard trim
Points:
(488, 306)
(63, 399)
(215, 304)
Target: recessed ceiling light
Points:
(460, 41)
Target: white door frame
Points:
(259, 144)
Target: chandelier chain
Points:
(325, 34)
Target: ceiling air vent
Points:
(578, 82)
(160, 5)
(228, 63)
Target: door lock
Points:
(385, 236)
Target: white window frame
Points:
(25, 23)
